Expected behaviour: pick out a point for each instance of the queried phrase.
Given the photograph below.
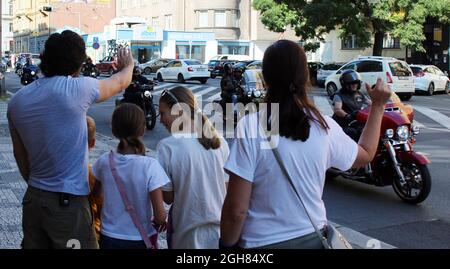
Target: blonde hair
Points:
(208, 136)
(91, 129)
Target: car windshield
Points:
(392, 100)
(332, 66)
(416, 69)
(399, 69)
(192, 62)
(213, 62)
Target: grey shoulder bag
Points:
(333, 239)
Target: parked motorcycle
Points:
(395, 163)
(140, 94)
(29, 74)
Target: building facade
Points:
(234, 23)
(33, 22)
(6, 26)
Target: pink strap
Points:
(128, 206)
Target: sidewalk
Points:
(12, 189)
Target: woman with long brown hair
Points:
(193, 157)
(261, 209)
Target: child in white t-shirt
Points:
(143, 178)
(193, 158)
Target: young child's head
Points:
(128, 125)
(91, 132)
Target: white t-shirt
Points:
(198, 181)
(140, 175)
(275, 214)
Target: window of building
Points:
(220, 18)
(234, 18)
(390, 42)
(350, 42)
(233, 49)
(203, 19)
(155, 21)
(11, 29)
(168, 22)
(10, 8)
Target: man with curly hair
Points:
(47, 121)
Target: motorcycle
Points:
(395, 162)
(29, 74)
(90, 72)
(140, 95)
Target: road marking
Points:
(214, 97)
(435, 116)
(324, 105)
(207, 90)
(163, 87)
(193, 87)
(418, 124)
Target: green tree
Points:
(368, 20)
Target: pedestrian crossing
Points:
(425, 118)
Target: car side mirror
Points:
(446, 73)
(338, 72)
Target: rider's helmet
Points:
(89, 60)
(350, 77)
(137, 71)
(228, 69)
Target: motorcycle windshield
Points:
(254, 79)
(394, 99)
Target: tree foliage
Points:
(367, 20)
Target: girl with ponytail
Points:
(193, 157)
(142, 178)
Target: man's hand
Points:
(124, 59)
(380, 94)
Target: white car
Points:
(325, 71)
(182, 70)
(429, 79)
(394, 72)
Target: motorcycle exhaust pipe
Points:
(391, 151)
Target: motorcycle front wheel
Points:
(150, 118)
(417, 185)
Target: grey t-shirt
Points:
(50, 117)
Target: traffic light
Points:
(47, 8)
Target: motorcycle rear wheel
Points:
(418, 178)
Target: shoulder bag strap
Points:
(128, 206)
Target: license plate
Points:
(201, 69)
(403, 78)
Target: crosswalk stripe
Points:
(194, 87)
(165, 85)
(418, 124)
(207, 90)
(434, 115)
(214, 97)
(323, 105)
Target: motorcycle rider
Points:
(229, 86)
(88, 67)
(348, 101)
(132, 91)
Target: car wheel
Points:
(431, 89)
(159, 77)
(181, 78)
(147, 71)
(447, 88)
(331, 89)
(213, 76)
(203, 80)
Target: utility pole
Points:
(2, 77)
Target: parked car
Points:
(394, 72)
(105, 66)
(254, 65)
(216, 67)
(242, 65)
(182, 70)
(325, 71)
(429, 79)
(154, 65)
(313, 67)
